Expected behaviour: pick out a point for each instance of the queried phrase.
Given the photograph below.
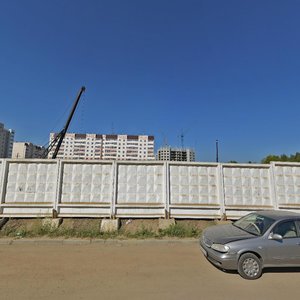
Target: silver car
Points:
(257, 240)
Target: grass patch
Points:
(72, 228)
(181, 231)
(44, 231)
(142, 233)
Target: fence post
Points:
(58, 191)
(114, 187)
(273, 185)
(221, 190)
(167, 189)
(3, 182)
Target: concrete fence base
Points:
(108, 225)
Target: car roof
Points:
(278, 214)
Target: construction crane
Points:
(58, 139)
(182, 135)
(182, 140)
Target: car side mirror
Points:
(275, 236)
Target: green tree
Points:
(283, 157)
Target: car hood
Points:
(222, 234)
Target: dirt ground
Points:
(148, 269)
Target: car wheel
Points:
(249, 266)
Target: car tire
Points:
(249, 266)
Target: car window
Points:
(286, 229)
(298, 226)
(254, 223)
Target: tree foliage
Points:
(283, 157)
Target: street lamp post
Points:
(217, 151)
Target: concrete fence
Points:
(70, 188)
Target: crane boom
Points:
(60, 136)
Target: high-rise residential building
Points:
(105, 147)
(27, 150)
(175, 154)
(6, 141)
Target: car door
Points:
(285, 251)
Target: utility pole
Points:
(217, 150)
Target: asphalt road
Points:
(128, 270)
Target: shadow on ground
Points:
(265, 270)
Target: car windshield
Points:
(254, 223)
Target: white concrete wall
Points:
(140, 189)
(287, 185)
(194, 190)
(79, 188)
(85, 188)
(29, 187)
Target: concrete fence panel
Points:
(85, 189)
(194, 190)
(140, 189)
(287, 185)
(30, 188)
(247, 187)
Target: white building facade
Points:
(6, 141)
(27, 150)
(105, 147)
(175, 154)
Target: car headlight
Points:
(220, 247)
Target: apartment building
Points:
(175, 154)
(105, 147)
(6, 141)
(27, 150)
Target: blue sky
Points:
(213, 69)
